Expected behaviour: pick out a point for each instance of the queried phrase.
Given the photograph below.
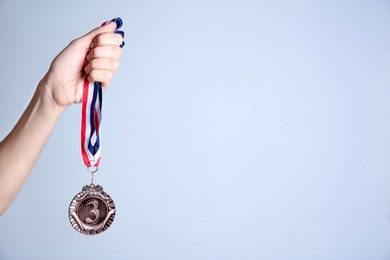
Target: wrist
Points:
(45, 93)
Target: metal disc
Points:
(92, 210)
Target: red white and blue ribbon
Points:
(92, 115)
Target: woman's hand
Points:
(95, 54)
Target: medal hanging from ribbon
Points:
(92, 210)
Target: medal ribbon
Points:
(92, 114)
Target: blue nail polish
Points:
(118, 22)
(122, 33)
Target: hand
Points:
(63, 83)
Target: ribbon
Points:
(92, 114)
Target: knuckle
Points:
(73, 42)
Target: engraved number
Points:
(94, 211)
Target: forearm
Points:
(21, 148)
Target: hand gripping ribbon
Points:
(92, 114)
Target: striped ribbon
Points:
(92, 115)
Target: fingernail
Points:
(117, 20)
(122, 33)
(106, 23)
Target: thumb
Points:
(106, 27)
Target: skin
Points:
(61, 87)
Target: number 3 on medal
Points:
(94, 211)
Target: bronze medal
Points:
(92, 210)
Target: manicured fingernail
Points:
(122, 33)
(106, 23)
(117, 20)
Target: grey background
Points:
(232, 130)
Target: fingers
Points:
(103, 56)
(102, 70)
(105, 39)
(102, 76)
(102, 64)
(103, 61)
(104, 52)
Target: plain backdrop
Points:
(232, 130)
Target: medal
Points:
(92, 210)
